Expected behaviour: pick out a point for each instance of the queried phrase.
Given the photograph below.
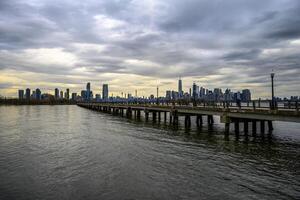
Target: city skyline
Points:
(196, 92)
(138, 44)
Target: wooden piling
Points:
(270, 126)
(236, 127)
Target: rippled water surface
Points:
(68, 152)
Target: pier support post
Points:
(227, 127)
(270, 126)
(165, 116)
(199, 120)
(187, 121)
(175, 117)
(236, 127)
(129, 112)
(159, 117)
(138, 114)
(171, 117)
(146, 115)
(262, 126)
(210, 119)
(153, 116)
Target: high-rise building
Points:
(21, 94)
(38, 94)
(98, 97)
(27, 93)
(33, 95)
(217, 94)
(61, 94)
(174, 95)
(202, 92)
(168, 95)
(67, 94)
(88, 91)
(74, 96)
(246, 95)
(195, 91)
(56, 93)
(180, 92)
(105, 91)
(83, 94)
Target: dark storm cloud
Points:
(159, 39)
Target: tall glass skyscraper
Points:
(88, 91)
(27, 93)
(105, 91)
(21, 94)
(56, 93)
(180, 92)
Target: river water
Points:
(68, 152)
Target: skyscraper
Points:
(88, 91)
(61, 94)
(195, 92)
(67, 94)
(246, 95)
(74, 96)
(180, 92)
(21, 94)
(105, 91)
(27, 93)
(38, 94)
(83, 94)
(56, 93)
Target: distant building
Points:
(21, 94)
(180, 92)
(33, 96)
(61, 94)
(174, 95)
(56, 95)
(202, 92)
(98, 97)
(195, 92)
(88, 91)
(237, 96)
(217, 94)
(168, 95)
(105, 91)
(27, 93)
(246, 95)
(228, 96)
(38, 94)
(83, 94)
(67, 94)
(74, 96)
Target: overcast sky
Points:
(137, 44)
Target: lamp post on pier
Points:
(272, 80)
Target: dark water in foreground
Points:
(68, 152)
